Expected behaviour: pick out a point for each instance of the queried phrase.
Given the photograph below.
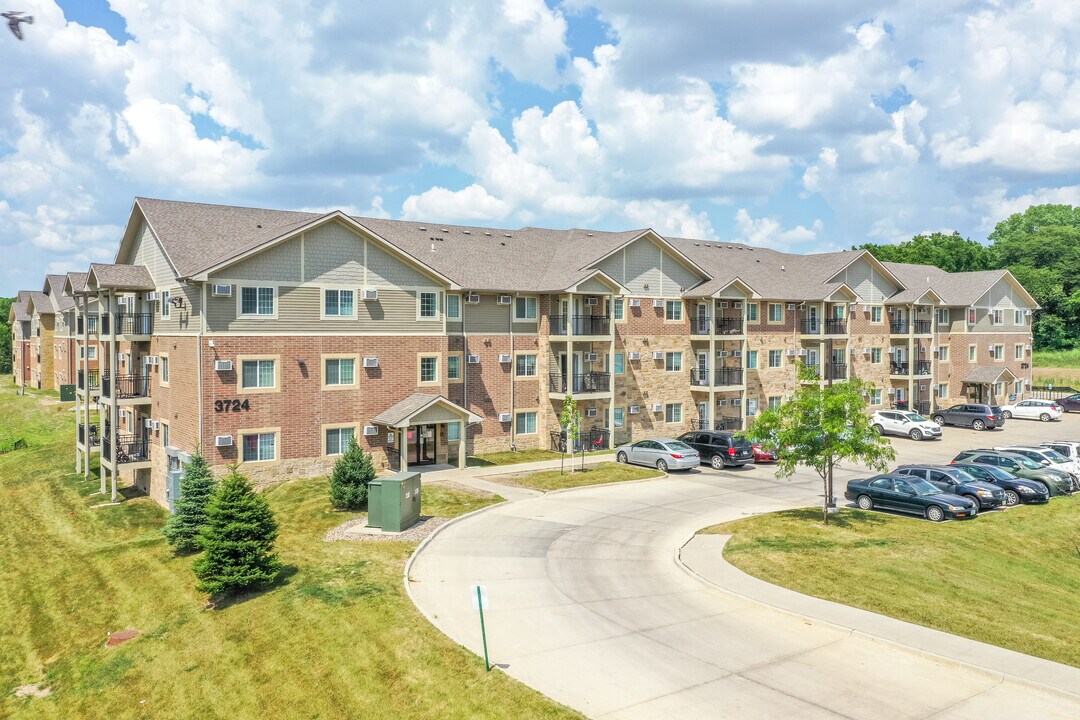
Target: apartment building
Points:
(22, 360)
(271, 338)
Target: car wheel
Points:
(935, 514)
(717, 462)
(1006, 414)
(1045, 417)
(1012, 498)
(661, 466)
(975, 501)
(879, 430)
(865, 502)
(978, 425)
(939, 419)
(915, 434)
(621, 457)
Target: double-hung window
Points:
(525, 423)
(338, 303)
(776, 312)
(997, 317)
(1019, 350)
(525, 309)
(341, 371)
(619, 417)
(673, 413)
(453, 307)
(526, 366)
(875, 355)
(166, 306)
(620, 363)
(429, 305)
(776, 358)
(875, 396)
(257, 301)
(164, 369)
(453, 367)
(618, 309)
(943, 353)
(338, 439)
(257, 374)
(751, 359)
(999, 352)
(259, 447)
(752, 312)
(1018, 317)
(673, 361)
(876, 313)
(673, 310)
(429, 369)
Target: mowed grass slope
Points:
(337, 639)
(601, 474)
(1008, 578)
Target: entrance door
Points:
(703, 415)
(811, 318)
(812, 357)
(422, 442)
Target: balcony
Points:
(899, 327)
(836, 371)
(127, 323)
(127, 387)
(923, 327)
(700, 377)
(581, 324)
(815, 370)
(836, 326)
(90, 321)
(89, 432)
(729, 326)
(810, 326)
(701, 326)
(93, 384)
(129, 449)
(720, 425)
(593, 382)
(899, 368)
(921, 367)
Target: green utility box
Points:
(67, 393)
(394, 501)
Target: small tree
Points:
(570, 419)
(196, 487)
(238, 538)
(821, 426)
(349, 481)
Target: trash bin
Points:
(394, 501)
(67, 393)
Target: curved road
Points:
(588, 606)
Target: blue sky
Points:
(780, 123)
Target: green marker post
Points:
(483, 631)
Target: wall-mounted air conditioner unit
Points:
(633, 356)
(658, 303)
(738, 306)
(802, 352)
(635, 302)
(152, 360)
(866, 351)
(866, 308)
(736, 402)
(369, 294)
(222, 291)
(591, 357)
(153, 296)
(922, 388)
(371, 362)
(721, 402)
(724, 304)
(504, 417)
(120, 357)
(148, 423)
(504, 299)
(658, 407)
(892, 391)
(223, 441)
(658, 355)
(223, 365)
(592, 302)
(474, 360)
(504, 358)
(791, 306)
(853, 351)
(791, 352)
(371, 430)
(634, 409)
(724, 353)
(592, 412)
(1027, 347)
(473, 298)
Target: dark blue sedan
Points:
(909, 495)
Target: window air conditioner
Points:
(724, 353)
(634, 409)
(592, 302)
(736, 402)
(121, 357)
(591, 357)
(866, 351)
(866, 308)
(791, 306)
(148, 423)
(658, 407)
(736, 353)
(658, 303)
(223, 441)
(592, 412)
(504, 358)
(223, 365)
(504, 299)
(153, 296)
(1027, 347)
(721, 403)
(152, 360)
(892, 391)
(504, 417)
(802, 352)
(222, 291)
(371, 362)
(791, 352)
(371, 430)
(473, 298)
(633, 356)
(658, 355)
(724, 304)
(635, 302)
(474, 360)
(369, 294)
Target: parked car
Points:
(1067, 448)
(761, 455)
(1056, 482)
(904, 422)
(974, 415)
(720, 449)
(1017, 490)
(1070, 403)
(952, 480)
(663, 454)
(1045, 410)
(1046, 456)
(908, 494)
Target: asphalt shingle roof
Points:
(61, 300)
(77, 280)
(122, 277)
(40, 303)
(987, 374)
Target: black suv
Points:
(720, 449)
(955, 481)
(976, 415)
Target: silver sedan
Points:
(663, 454)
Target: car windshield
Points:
(676, 445)
(1054, 456)
(914, 417)
(923, 487)
(960, 476)
(1027, 463)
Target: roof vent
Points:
(589, 234)
(488, 234)
(445, 230)
(259, 226)
(424, 229)
(466, 232)
(503, 244)
(506, 235)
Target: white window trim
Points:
(275, 431)
(768, 359)
(536, 422)
(322, 302)
(419, 304)
(667, 407)
(757, 312)
(165, 309)
(536, 309)
(669, 304)
(672, 354)
(536, 365)
(447, 302)
(255, 316)
(163, 363)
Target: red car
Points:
(761, 455)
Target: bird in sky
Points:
(16, 17)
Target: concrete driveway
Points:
(588, 606)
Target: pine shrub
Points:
(196, 486)
(349, 481)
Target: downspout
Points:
(513, 369)
(464, 368)
(199, 360)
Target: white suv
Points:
(905, 422)
(1046, 456)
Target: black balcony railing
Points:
(88, 432)
(129, 449)
(126, 386)
(582, 383)
(921, 367)
(588, 441)
(923, 327)
(699, 377)
(835, 326)
(728, 376)
(128, 323)
(810, 326)
(899, 327)
(93, 383)
(88, 322)
(729, 326)
(719, 425)
(814, 368)
(701, 326)
(592, 325)
(899, 367)
(921, 406)
(836, 371)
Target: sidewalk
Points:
(703, 556)
(474, 477)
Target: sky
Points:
(792, 124)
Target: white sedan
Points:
(1045, 410)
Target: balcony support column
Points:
(609, 414)
(114, 393)
(569, 375)
(711, 370)
(912, 356)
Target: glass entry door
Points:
(422, 442)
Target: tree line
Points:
(5, 336)
(1041, 246)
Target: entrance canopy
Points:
(989, 374)
(423, 408)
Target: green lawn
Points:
(601, 474)
(337, 638)
(513, 457)
(1007, 578)
(1056, 358)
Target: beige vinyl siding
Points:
(1004, 297)
(871, 286)
(676, 277)
(490, 317)
(642, 263)
(642, 267)
(299, 311)
(146, 251)
(434, 414)
(453, 327)
(595, 286)
(334, 254)
(385, 270)
(280, 263)
(180, 320)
